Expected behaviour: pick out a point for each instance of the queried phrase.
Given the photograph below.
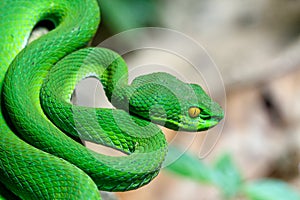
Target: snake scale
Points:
(41, 156)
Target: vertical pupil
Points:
(195, 111)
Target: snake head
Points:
(199, 112)
(165, 100)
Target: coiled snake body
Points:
(37, 159)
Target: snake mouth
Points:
(187, 125)
(207, 124)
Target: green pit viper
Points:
(41, 156)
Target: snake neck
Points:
(110, 127)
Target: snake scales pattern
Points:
(41, 156)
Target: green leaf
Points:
(226, 176)
(268, 189)
(188, 165)
(121, 15)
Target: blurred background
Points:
(255, 45)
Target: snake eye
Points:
(194, 112)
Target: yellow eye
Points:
(194, 112)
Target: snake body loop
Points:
(39, 158)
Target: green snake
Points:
(41, 154)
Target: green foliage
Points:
(226, 176)
(268, 189)
(189, 166)
(120, 15)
